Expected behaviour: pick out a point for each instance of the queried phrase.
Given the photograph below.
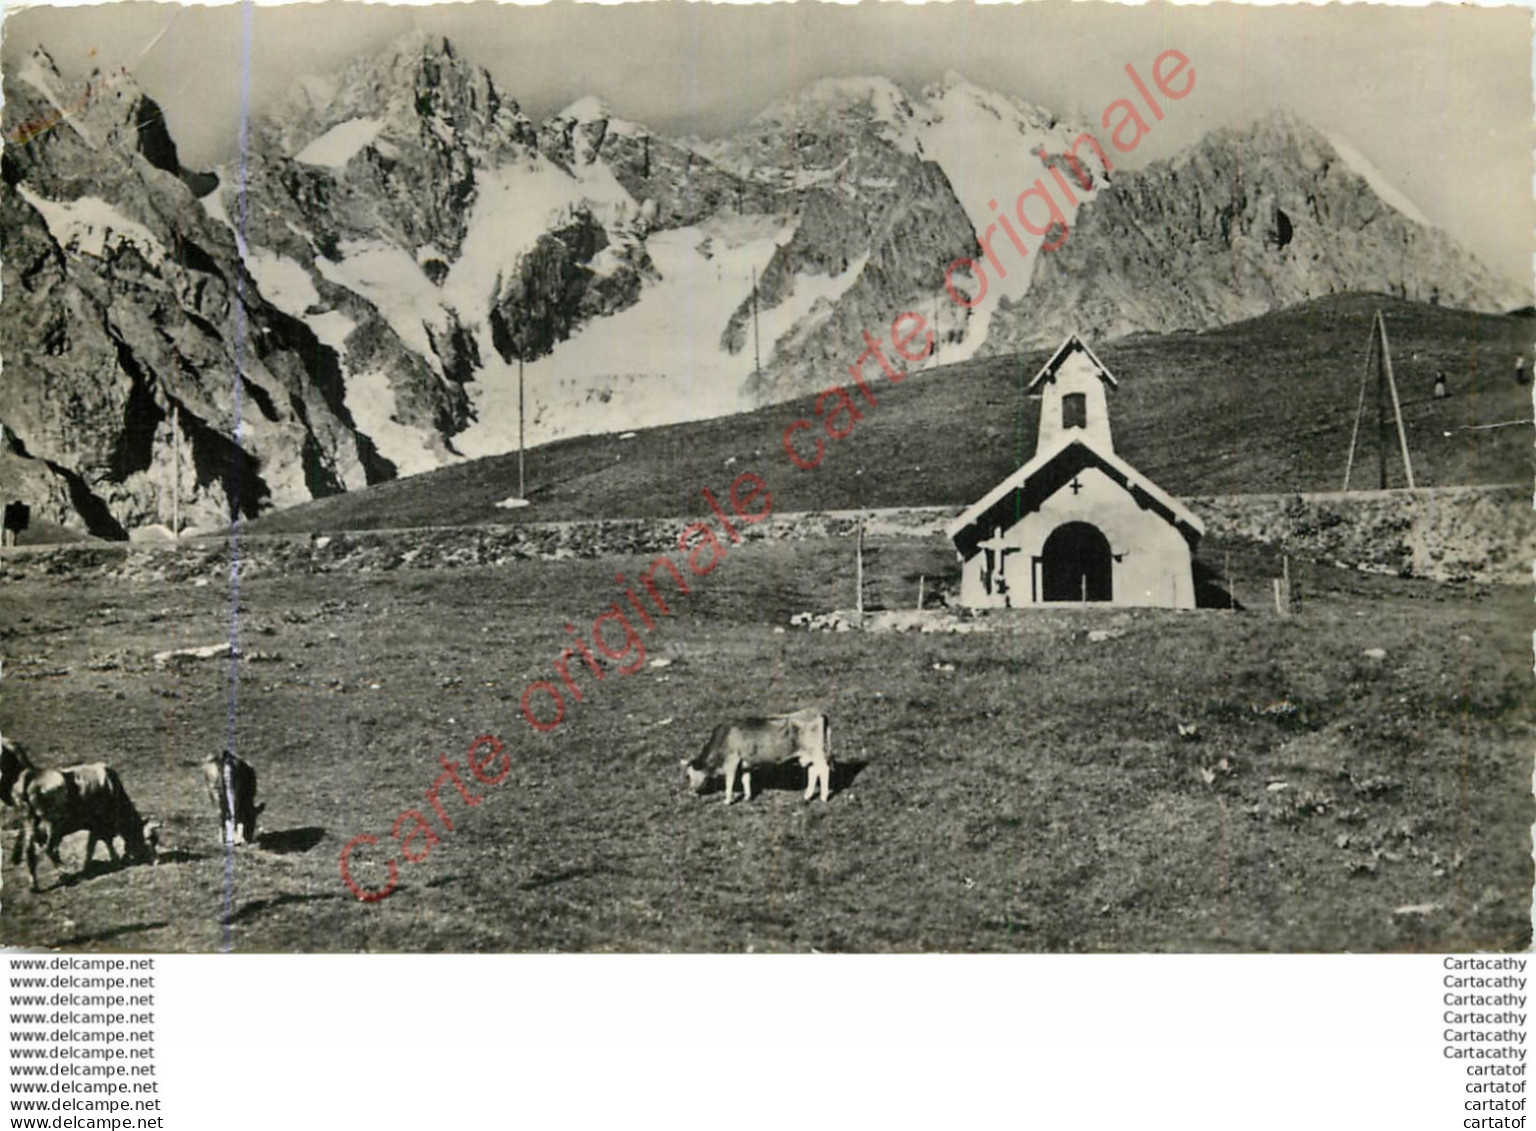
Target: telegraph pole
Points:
(1397, 408)
(1381, 411)
(521, 490)
(1386, 385)
(176, 471)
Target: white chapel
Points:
(1076, 524)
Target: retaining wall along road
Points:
(1474, 533)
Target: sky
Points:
(1439, 98)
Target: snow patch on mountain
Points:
(89, 224)
(514, 206)
(339, 144)
(590, 108)
(332, 328)
(282, 282)
(989, 147)
(777, 323)
(654, 362)
(371, 402)
(213, 204)
(986, 145)
(390, 279)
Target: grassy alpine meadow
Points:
(1358, 776)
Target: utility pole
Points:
(858, 568)
(1283, 591)
(176, 471)
(1381, 412)
(1397, 408)
(1386, 385)
(1354, 436)
(522, 492)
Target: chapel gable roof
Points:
(1027, 489)
(1073, 344)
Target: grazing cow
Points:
(804, 737)
(13, 760)
(89, 799)
(234, 794)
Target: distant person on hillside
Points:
(1440, 390)
(1522, 375)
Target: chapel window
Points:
(1074, 410)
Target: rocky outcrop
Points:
(431, 123)
(556, 287)
(915, 232)
(1243, 223)
(128, 315)
(678, 185)
(832, 232)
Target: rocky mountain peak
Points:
(409, 58)
(423, 45)
(578, 133)
(587, 108)
(418, 90)
(1248, 220)
(95, 106)
(1277, 135)
(956, 97)
(832, 104)
(57, 120)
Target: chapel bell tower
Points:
(1073, 404)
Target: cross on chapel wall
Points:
(995, 566)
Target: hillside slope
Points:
(1262, 406)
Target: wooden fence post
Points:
(858, 573)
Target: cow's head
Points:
(697, 775)
(146, 846)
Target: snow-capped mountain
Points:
(409, 238)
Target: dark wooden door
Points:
(1076, 564)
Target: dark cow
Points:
(233, 792)
(17, 517)
(803, 737)
(13, 760)
(89, 799)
